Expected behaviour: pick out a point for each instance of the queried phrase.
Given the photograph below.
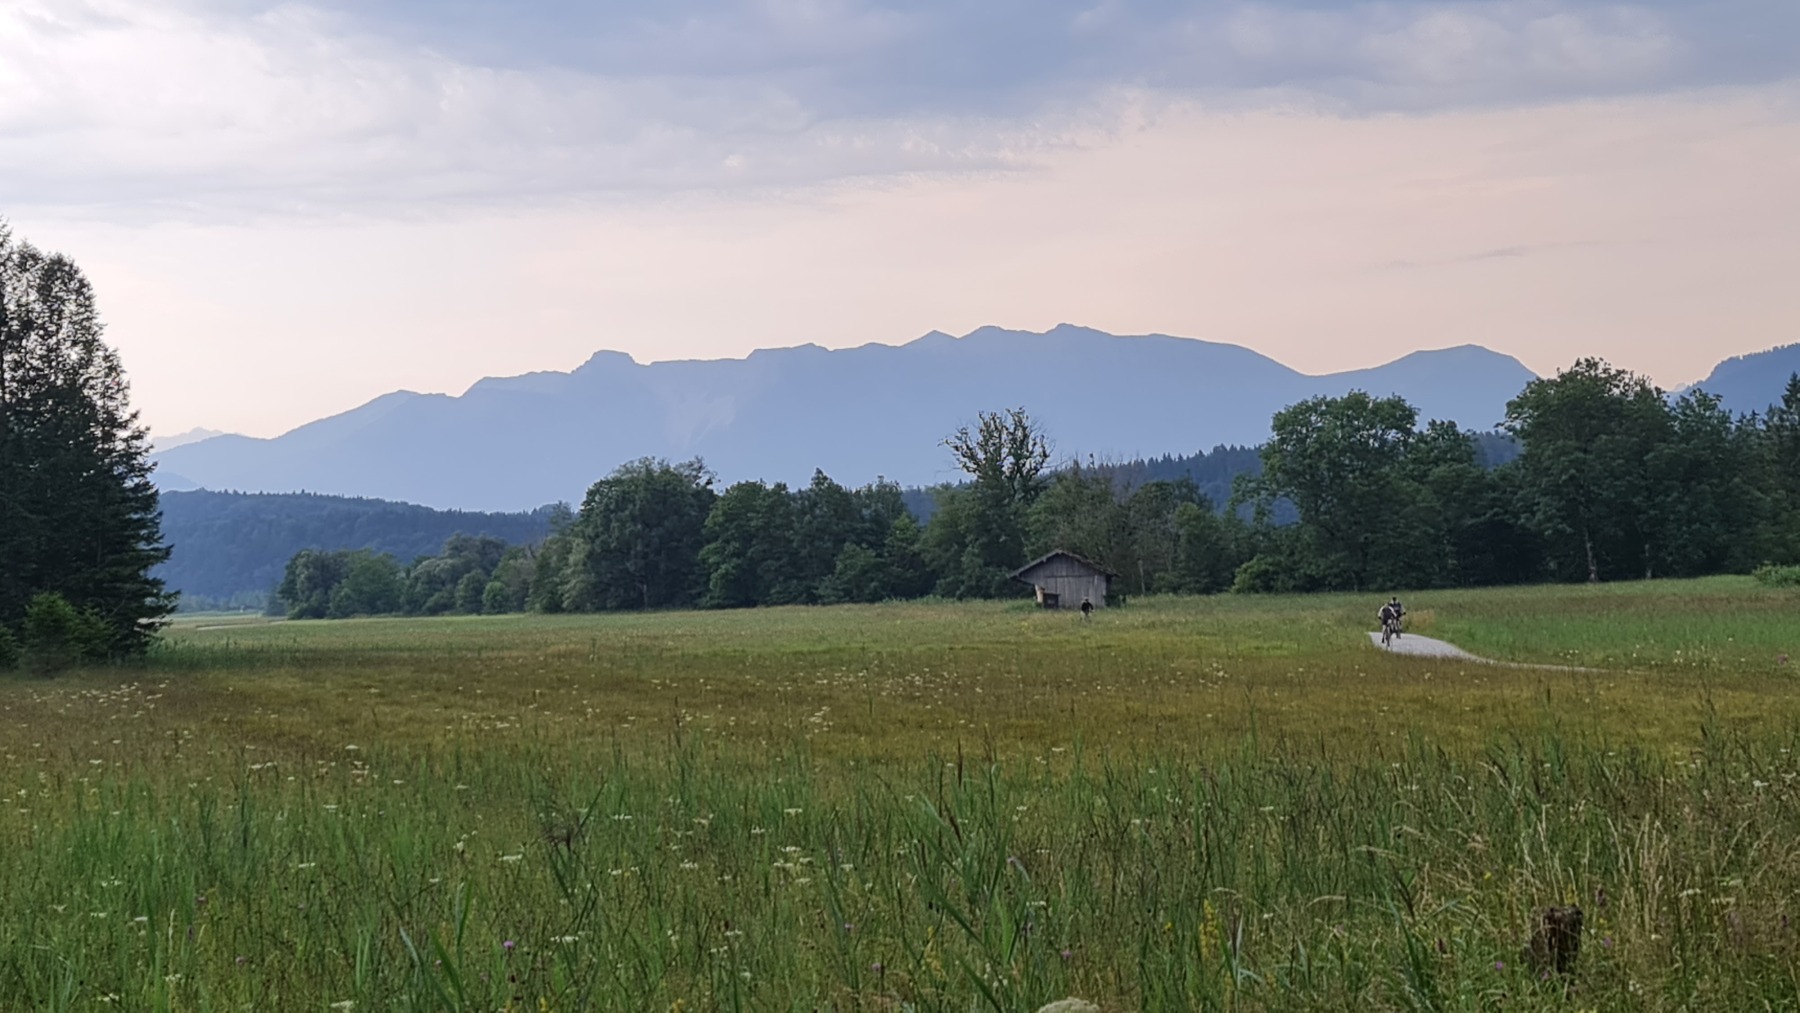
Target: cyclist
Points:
(1390, 616)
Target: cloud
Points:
(198, 108)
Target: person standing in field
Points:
(1087, 607)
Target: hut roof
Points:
(1020, 573)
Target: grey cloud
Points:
(186, 105)
(843, 57)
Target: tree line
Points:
(1614, 480)
(1596, 475)
(232, 548)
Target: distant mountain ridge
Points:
(1751, 383)
(512, 443)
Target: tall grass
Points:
(1148, 881)
(1190, 805)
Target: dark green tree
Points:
(638, 538)
(1780, 446)
(550, 564)
(1709, 498)
(1585, 480)
(509, 588)
(78, 513)
(308, 582)
(826, 518)
(1209, 548)
(750, 554)
(372, 585)
(983, 536)
(57, 635)
(1077, 512)
(1365, 519)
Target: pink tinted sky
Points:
(1658, 230)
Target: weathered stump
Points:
(1555, 940)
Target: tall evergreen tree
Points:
(78, 513)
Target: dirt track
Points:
(1424, 647)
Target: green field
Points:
(1221, 803)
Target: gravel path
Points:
(1425, 647)
(1416, 646)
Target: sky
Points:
(290, 208)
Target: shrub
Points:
(1778, 576)
(57, 635)
(9, 650)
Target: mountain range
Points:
(1751, 383)
(514, 443)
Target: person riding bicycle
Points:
(1391, 614)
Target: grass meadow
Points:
(1224, 803)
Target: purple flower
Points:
(1499, 965)
(849, 927)
(876, 967)
(1068, 954)
(1607, 942)
(508, 945)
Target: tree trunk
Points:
(1587, 544)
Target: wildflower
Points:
(1607, 942)
(508, 945)
(793, 812)
(1068, 954)
(513, 858)
(1499, 965)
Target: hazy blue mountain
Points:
(515, 442)
(161, 443)
(1751, 383)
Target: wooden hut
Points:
(1063, 579)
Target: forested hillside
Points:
(229, 548)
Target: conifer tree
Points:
(78, 513)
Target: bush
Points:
(57, 635)
(1778, 576)
(9, 650)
